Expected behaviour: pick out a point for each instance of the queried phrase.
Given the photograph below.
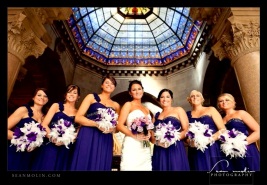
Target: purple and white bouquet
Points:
(200, 134)
(142, 125)
(233, 143)
(106, 118)
(63, 131)
(28, 137)
(166, 133)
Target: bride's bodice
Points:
(135, 114)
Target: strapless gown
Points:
(212, 159)
(173, 158)
(135, 157)
(251, 162)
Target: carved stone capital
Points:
(22, 41)
(242, 39)
(219, 51)
(26, 32)
(246, 38)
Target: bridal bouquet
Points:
(200, 134)
(106, 118)
(142, 125)
(166, 133)
(233, 143)
(63, 131)
(28, 137)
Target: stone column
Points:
(22, 42)
(241, 44)
(27, 36)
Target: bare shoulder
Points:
(127, 104)
(241, 112)
(55, 105)
(21, 110)
(211, 108)
(89, 97)
(116, 105)
(179, 109)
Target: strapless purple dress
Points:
(251, 162)
(173, 158)
(212, 159)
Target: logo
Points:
(244, 176)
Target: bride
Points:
(135, 156)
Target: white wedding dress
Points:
(135, 157)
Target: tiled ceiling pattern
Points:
(140, 36)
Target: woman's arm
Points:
(14, 118)
(48, 117)
(184, 122)
(217, 118)
(125, 110)
(252, 124)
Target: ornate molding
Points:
(22, 41)
(26, 32)
(48, 15)
(243, 38)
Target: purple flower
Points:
(17, 133)
(232, 133)
(190, 134)
(206, 133)
(32, 136)
(29, 136)
(67, 123)
(222, 138)
(142, 125)
(169, 135)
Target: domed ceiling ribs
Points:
(165, 41)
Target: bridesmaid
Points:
(54, 155)
(93, 149)
(173, 157)
(245, 123)
(212, 158)
(33, 111)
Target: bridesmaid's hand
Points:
(59, 143)
(105, 131)
(30, 149)
(163, 145)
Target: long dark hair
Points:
(165, 90)
(31, 102)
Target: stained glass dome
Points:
(143, 36)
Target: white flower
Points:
(167, 133)
(63, 131)
(28, 137)
(200, 134)
(106, 118)
(234, 143)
